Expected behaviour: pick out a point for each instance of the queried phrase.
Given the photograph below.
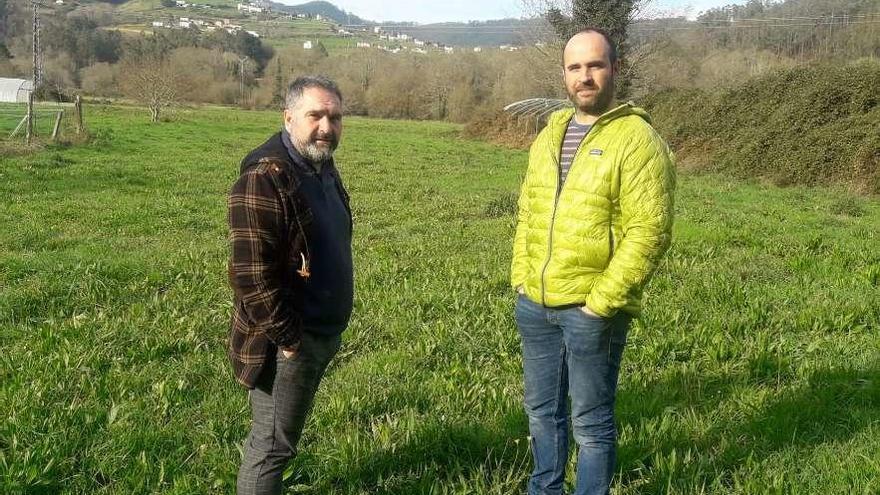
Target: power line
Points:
(793, 18)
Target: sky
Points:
(428, 11)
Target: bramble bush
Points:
(816, 124)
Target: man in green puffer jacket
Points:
(595, 217)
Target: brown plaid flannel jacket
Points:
(268, 223)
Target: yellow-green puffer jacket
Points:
(598, 239)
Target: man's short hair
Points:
(302, 83)
(612, 53)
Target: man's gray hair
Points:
(300, 84)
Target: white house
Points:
(186, 24)
(250, 8)
(377, 30)
(307, 45)
(419, 42)
(363, 44)
(477, 49)
(15, 90)
(448, 49)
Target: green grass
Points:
(755, 369)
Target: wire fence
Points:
(12, 116)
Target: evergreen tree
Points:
(612, 16)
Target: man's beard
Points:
(315, 153)
(598, 104)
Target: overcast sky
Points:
(427, 11)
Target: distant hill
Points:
(325, 9)
(466, 34)
(485, 33)
(790, 8)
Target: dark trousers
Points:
(280, 404)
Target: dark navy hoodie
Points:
(325, 299)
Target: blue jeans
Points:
(567, 353)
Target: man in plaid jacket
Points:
(291, 273)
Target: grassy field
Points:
(755, 369)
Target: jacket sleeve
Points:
(647, 184)
(256, 223)
(520, 264)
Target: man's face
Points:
(315, 124)
(588, 73)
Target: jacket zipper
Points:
(559, 187)
(611, 236)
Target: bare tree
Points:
(152, 81)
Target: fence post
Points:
(77, 105)
(29, 132)
(57, 125)
(21, 124)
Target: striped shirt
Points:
(573, 137)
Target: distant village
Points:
(224, 24)
(257, 8)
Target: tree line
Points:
(722, 48)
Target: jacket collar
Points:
(558, 121)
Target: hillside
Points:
(808, 125)
(325, 9)
(487, 33)
(791, 8)
(471, 34)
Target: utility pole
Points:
(35, 72)
(39, 48)
(36, 41)
(242, 63)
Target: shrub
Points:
(810, 125)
